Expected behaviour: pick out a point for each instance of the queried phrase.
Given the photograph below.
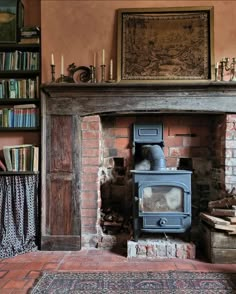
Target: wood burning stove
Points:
(162, 196)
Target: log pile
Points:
(221, 215)
(113, 222)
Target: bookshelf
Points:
(20, 135)
(19, 98)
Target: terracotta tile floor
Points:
(18, 274)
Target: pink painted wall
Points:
(78, 28)
(32, 12)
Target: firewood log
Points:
(223, 203)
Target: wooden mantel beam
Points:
(88, 99)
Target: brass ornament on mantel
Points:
(76, 74)
(226, 65)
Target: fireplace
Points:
(161, 196)
(77, 150)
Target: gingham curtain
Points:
(18, 214)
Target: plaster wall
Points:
(78, 28)
(32, 12)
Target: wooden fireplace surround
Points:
(64, 104)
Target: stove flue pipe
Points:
(155, 155)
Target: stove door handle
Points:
(163, 221)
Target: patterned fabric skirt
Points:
(18, 214)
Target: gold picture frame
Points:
(164, 45)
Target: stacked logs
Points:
(221, 214)
(113, 222)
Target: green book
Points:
(7, 152)
(12, 88)
(1, 90)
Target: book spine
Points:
(1, 117)
(5, 117)
(12, 88)
(7, 157)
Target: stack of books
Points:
(19, 60)
(30, 35)
(20, 116)
(19, 88)
(23, 157)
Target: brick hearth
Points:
(161, 247)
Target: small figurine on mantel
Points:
(78, 74)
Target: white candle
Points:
(62, 65)
(94, 59)
(111, 69)
(103, 56)
(52, 59)
(217, 65)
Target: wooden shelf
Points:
(19, 73)
(18, 129)
(15, 173)
(13, 101)
(17, 46)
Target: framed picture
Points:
(11, 20)
(174, 44)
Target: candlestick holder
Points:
(216, 74)
(111, 80)
(103, 69)
(61, 79)
(222, 65)
(53, 73)
(233, 72)
(225, 65)
(93, 74)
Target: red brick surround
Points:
(207, 140)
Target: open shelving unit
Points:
(19, 184)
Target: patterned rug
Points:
(132, 282)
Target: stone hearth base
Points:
(161, 248)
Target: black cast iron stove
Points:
(162, 196)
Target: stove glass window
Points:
(162, 199)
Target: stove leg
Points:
(135, 238)
(188, 235)
(136, 229)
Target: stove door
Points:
(160, 197)
(164, 207)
